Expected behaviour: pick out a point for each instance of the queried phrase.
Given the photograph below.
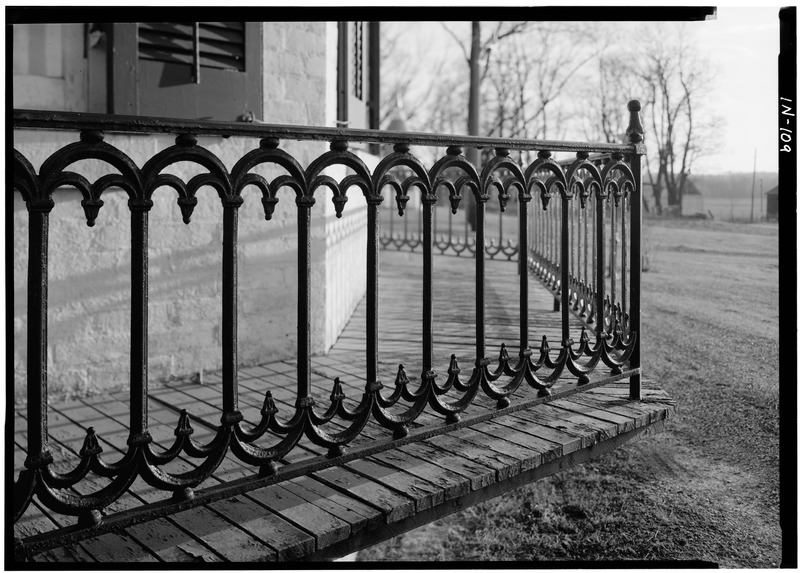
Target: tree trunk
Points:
(473, 119)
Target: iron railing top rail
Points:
(128, 124)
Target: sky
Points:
(741, 46)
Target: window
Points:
(192, 70)
(358, 75)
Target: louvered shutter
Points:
(219, 44)
(358, 75)
(197, 70)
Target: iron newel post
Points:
(635, 133)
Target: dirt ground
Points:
(708, 487)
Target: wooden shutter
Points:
(197, 70)
(358, 74)
(219, 44)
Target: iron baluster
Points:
(571, 275)
(435, 216)
(139, 318)
(576, 271)
(480, 274)
(230, 363)
(599, 262)
(373, 267)
(557, 246)
(405, 231)
(541, 236)
(466, 226)
(391, 223)
(38, 234)
(565, 262)
(500, 223)
(550, 254)
(587, 238)
(624, 262)
(556, 257)
(596, 206)
(548, 249)
(304, 204)
(524, 199)
(420, 224)
(612, 245)
(450, 216)
(428, 201)
(635, 134)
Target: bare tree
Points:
(674, 81)
(604, 99)
(671, 81)
(398, 76)
(518, 71)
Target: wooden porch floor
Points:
(337, 510)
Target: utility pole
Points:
(761, 202)
(753, 193)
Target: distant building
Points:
(772, 203)
(692, 200)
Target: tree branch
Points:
(458, 41)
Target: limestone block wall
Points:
(89, 268)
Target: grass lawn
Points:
(708, 487)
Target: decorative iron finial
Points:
(91, 208)
(635, 131)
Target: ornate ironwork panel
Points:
(578, 228)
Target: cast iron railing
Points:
(452, 232)
(607, 214)
(597, 259)
(557, 197)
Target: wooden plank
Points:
(568, 442)
(424, 493)
(326, 528)
(617, 401)
(170, 543)
(224, 538)
(506, 458)
(68, 553)
(286, 541)
(575, 421)
(594, 410)
(452, 483)
(394, 506)
(538, 449)
(117, 547)
(354, 512)
(364, 539)
(33, 522)
(456, 461)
